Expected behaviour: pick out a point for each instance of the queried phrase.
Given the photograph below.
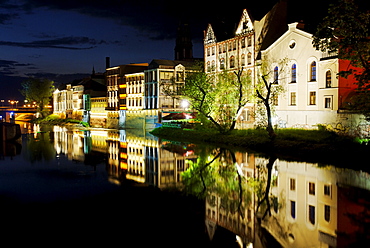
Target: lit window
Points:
(327, 103)
(222, 64)
(293, 98)
(327, 190)
(313, 71)
(249, 41)
(294, 73)
(232, 62)
(243, 60)
(328, 79)
(311, 188)
(292, 184)
(276, 75)
(312, 98)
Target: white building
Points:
(312, 93)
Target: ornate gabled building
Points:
(235, 47)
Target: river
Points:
(67, 186)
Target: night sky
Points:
(63, 40)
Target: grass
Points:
(291, 144)
(56, 120)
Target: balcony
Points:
(329, 55)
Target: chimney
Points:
(301, 25)
(107, 62)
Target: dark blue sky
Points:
(63, 39)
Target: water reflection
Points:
(264, 201)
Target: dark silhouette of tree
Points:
(39, 91)
(345, 31)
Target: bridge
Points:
(20, 114)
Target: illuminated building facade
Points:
(160, 74)
(74, 100)
(312, 93)
(117, 91)
(234, 49)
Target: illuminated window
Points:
(275, 100)
(294, 73)
(312, 98)
(311, 188)
(328, 79)
(292, 184)
(313, 71)
(276, 75)
(232, 62)
(293, 98)
(328, 102)
(222, 64)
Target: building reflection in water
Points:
(307, 205)
(311, 206)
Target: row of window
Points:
(312, 75)
(311, 212)
(232, 62)
(311, 187)
(311, 208)
(328, 100)
(230, 46)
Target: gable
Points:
(209, 35)
(245, 24)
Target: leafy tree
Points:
(39, 91)
(267, 89)
(218, 97)
(216, 173)
(345, 30)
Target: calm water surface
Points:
(118, 187)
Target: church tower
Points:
(184, 45)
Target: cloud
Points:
(9, 67)
(70, 43)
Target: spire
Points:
(93, 71)
(184, 45)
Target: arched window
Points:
(222, 64)
(213, 68)
(243, 60)
(249, 59)
(313, 71)
(276, 75)
(328, 79)
(294, 73)
(232, 62)
(209, 66)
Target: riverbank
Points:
(318, 146)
